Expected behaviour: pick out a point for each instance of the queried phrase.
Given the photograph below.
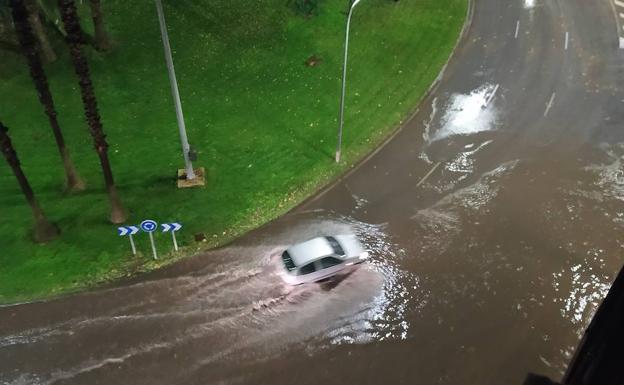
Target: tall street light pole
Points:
(344, 81)
(190, 174)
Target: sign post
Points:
(129, 231)
(149, 226)
(173, 227)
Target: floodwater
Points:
(493, 221)
(476, 286)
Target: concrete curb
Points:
(462, 36)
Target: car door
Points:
(310, 272)
(329, 266)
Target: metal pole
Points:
(132, 245)
(175, 242)
(344, 82)
(153, 245)
(190, 174)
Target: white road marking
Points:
(517, 29)
(567, 40)
(429, 174)
(622, 15)
(550, 104)
(489, 99)
(619, 3)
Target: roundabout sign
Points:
(149, 226)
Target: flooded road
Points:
(493, 219)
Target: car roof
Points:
(308, 251)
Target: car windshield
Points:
(288, 262)
(335, 245)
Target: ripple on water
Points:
(610, 175)
(582, 289)
(384, 316)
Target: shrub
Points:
(306, 7)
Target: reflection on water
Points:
(584, 291)
(465, 160)
(611, 175)
(529, 4)
(468, 113)
(595, 208)
(386, 316)
(460, 167)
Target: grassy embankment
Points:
(264, 124)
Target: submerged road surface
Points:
(494, 220)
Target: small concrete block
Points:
(198, 181)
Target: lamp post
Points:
(190, 174)
(344, 81)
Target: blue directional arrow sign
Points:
(173, 227)
(166, 227)
(129, 231)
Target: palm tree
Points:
(44, 230)
(74, 39)
(39, 30)
(49, 11)
(28, 44)
(8, 41)
(102, 43)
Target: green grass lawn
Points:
(264, 124)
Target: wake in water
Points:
(234, 308)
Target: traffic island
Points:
(265, 123)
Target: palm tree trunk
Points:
(35, 21)
(51, 17)
(102, 42)
(74, 39)
(44, 230)
(28, 45)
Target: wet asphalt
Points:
(493, 219)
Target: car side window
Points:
(329, 262)
(307, 269)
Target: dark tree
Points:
(44, 230)
(8, 40)
(75, 39)
(29, 49)
(50, 13)
(102, 43)
(39, 31)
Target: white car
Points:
(321, 258)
